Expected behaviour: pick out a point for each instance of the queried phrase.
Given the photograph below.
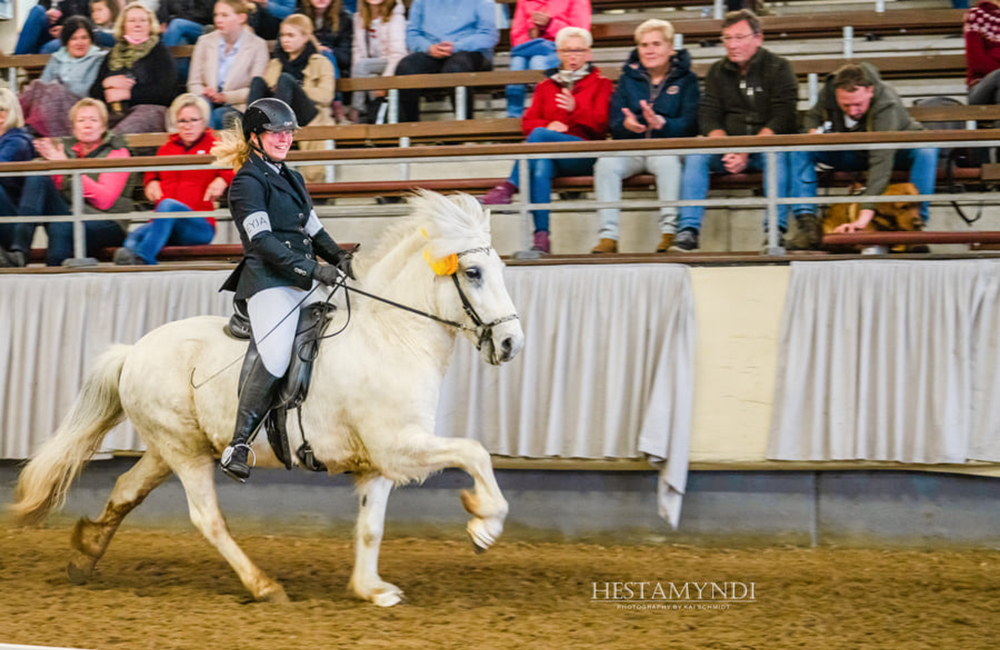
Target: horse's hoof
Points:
(480, 535)
(275, 596)
(387, 598)
(76, 575)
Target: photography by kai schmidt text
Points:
(649, 595)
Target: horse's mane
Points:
(452, 223)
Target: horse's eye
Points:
(473, 273)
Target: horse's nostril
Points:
(507, 345)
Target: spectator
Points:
(334, 30)
(43, 25)
(750, 92)
(532, 39)
(185, 20)
(298, 74)
(67, 77)
(138, 77)
(301, 77)
(15, 146)
(656, 97)
(446, 36)
(266, 19)
(226, 60)
(569, 106)
(854, 99)
(982, 52)
(104, 192)
(104, 14)
(378, 46)
(179, 190)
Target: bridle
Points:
(483, 331)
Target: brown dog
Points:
(895, 216)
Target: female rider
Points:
(281, 237)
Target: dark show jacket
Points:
(285, 255)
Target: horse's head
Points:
(471, 288)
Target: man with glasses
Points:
(750, 92)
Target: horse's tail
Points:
(46, 479)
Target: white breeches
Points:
(274, 314)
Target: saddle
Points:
(313, 321)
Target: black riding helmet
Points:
(268, 114)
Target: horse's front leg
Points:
(373, 495)
(428, 453)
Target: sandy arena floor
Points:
(164, 590)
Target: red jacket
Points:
(563, 13)
(982, 41)
(188, 186)
(589, 120)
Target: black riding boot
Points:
(257, 397)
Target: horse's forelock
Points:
(453, 223)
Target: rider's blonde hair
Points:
(232, 149)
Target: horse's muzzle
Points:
(504, 344)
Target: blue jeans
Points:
(922, 164)
(40, 197)
(219, 115)
(696, 180)
(181, 31)
(35, 33)
(536, 54)
(543, 170)
(149, 238)
(7, 209)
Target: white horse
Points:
(370, 411)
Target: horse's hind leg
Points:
(197, 475)
(91, 538)
(373, 494)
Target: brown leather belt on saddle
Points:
(313, 321)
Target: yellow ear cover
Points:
(444, 266)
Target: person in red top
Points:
(190, 190)
(982, 52)
(569, 106)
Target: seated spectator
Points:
(226, 60)
(569, 106)
(378, 46)
(267, 17)
(751, 91)
(104, 14)
(43, 25)
(186, 190)
(15, 146)
(982, 52)
(302, 78)
(138, 77)
(184, 21)
(446, 36)
(67, 77)
(532, 39)
(103, 192)
(854, 99)
(334, 30)
(656, 97)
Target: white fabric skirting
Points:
(607, 370)
(889, 361)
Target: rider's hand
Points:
(346, 265)
(327, 274)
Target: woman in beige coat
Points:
(234, 50)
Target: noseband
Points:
(484, 331)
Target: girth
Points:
(313, 321)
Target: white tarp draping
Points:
(889, 361)
(607, 370)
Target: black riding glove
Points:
(327, 274)
(345, 265)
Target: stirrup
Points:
(227, 457)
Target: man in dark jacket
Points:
(656, 97)
(750, 92)
(853, 100)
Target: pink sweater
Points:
(564, 13)
(103, 192)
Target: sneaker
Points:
(127, 257)
(542, 244)
(606, 246)
(665, 242)
(781, 243)
(808, 234)
(686, 241)
(502, 194)
(11, 259)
